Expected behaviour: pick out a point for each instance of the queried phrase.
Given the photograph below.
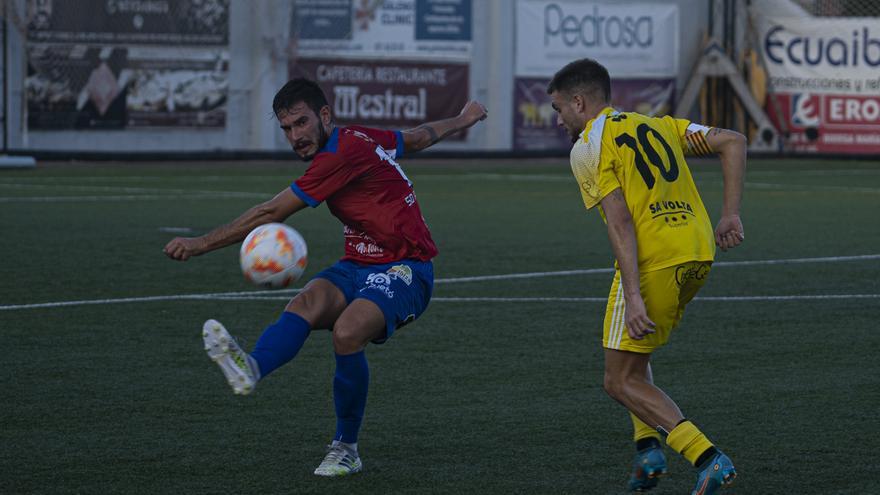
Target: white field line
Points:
(225, 297)
(809, 188)
(509, 276)
(284, 294)
(147, 190)
(133, 197)
(145, 178)
(138, 193)
(590, 271)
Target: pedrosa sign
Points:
(632, 40)
(596, 28)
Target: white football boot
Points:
(236, 365)
(341, 460)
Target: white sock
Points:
(350, 446)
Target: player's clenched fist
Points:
(474, 112)
(182, 248)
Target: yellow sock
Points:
(689, 441)
(641, 430)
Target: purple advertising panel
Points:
(388, 94)
(534, 120)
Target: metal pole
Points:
(5, 83)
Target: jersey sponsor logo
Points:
(361, 242)
(380, 282)
(674, 213)
(666, 207)
(401, 272)
(691, 271)
(367, 249)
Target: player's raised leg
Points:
(239, 369)
(360, 323)
(319, 302)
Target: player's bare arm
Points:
(277, 209)
(622, 235)
(731, 149)
(428, 134)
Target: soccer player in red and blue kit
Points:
(383, 281)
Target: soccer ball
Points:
(273, 256)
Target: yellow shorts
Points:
(666, 292)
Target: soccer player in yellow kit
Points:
(632, 166)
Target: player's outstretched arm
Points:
(731, 148)
(428, 134)
(622, 234)
(277, 209)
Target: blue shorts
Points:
(401, 289)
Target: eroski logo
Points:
(804, 110)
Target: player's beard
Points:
(323, 137)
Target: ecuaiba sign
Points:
(824, 78)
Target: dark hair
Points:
(299, 90)
(584, 76)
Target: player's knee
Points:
(302, 303)
(315, 306)
(348, 339)
(614, 385)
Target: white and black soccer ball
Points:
(273, 256)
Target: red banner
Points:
(829, 123)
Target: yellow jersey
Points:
(644, 157)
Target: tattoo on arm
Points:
(431, 132)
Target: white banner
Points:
(631, 40)
(821, 55)
(400, 29)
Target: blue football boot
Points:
(714, 473)
(648, 466)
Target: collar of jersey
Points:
(332, 142)
(607, 111)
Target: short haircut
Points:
(584, 76)
(299, 90)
